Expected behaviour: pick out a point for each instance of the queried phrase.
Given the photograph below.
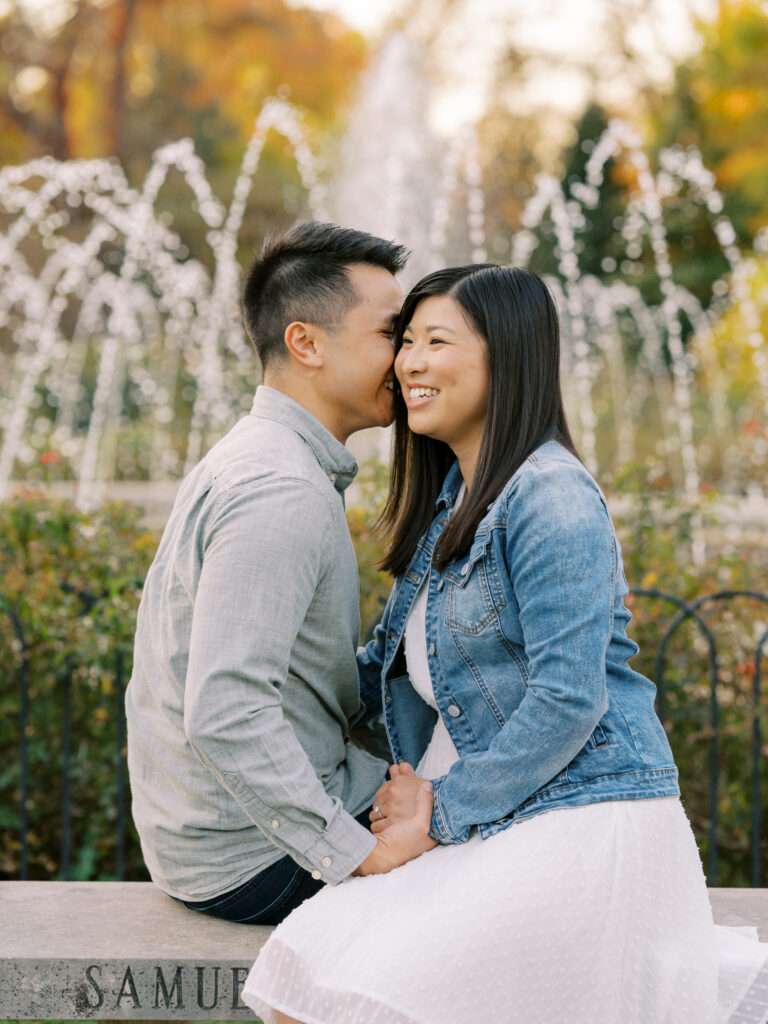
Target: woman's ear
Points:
(303, 344)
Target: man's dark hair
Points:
(301, 275)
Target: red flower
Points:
(50, 458)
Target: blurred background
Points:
(617, 147)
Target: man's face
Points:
(358, 353)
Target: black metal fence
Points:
(683, 612)
(692, 612)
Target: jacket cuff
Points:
(440, 828)
(342, 846)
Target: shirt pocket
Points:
(475, 597)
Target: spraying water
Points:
(124, 358)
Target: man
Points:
(248, 794)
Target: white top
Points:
(441, 751)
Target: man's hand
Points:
(396, 800)
(406, 838)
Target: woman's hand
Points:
(396, 800)
(406, 838)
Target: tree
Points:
(719, 104)
(123, 77)
(120, 77)
(600, 247)
(35, 74)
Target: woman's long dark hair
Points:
(514, 312)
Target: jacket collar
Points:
(451, 487)
(453, 478)
(336, 461)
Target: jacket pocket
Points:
(599, 738)
(604, 752)
(473, 604)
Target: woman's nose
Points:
(410, 360)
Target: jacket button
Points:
(454, 711)
(275, 823)
(316, 875)
(432, 650)
(387, 698)
(465, 569)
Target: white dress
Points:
(584, 915)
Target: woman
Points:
(501, 668)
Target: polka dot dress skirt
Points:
(584, 915)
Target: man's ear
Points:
(304, 344)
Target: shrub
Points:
(70, 584)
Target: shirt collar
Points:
(336, 461)
(451, 487)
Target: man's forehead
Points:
(377, 290)
(385, 309)
(372, 278)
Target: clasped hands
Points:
(401, 821)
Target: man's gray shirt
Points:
(245, 683)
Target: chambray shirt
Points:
(245, 685)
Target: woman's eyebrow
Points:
(432, 327)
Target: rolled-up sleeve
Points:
(265, 551)
(562, 570)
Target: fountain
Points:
(123, 358)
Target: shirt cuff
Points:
(341, 847)
(440, 828)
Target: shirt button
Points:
(454, 711)
(440, 584)
(275, 823)
(432, 650)
(326, 862)
(316, 875)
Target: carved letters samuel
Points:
(164, 986)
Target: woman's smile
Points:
(419, 395)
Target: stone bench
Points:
(124, 950)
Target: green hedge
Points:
(70, 582)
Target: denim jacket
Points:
(529, 659)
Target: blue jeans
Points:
(268, 897)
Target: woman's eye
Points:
(437, 341)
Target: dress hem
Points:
(314, 1004)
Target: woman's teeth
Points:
(422, 392)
